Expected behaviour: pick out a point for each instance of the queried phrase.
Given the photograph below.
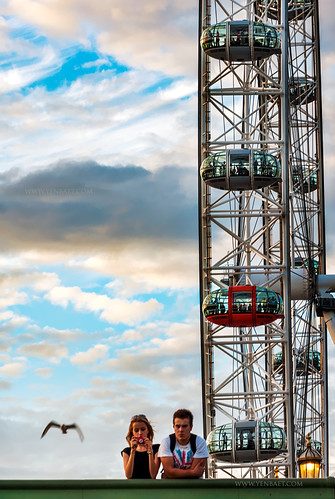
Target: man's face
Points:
(182, 429)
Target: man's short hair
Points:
(183, 414)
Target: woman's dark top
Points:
(141, 462)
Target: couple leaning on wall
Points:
(182, 454)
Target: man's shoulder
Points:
(202, 450)
(166, 440)
(200, 439)
(164, 448)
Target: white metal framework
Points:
(252, 103)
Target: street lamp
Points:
(309, 461)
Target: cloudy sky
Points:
(98, 220)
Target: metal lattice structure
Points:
(262, 224)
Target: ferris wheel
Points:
(264, 289)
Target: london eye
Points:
(264, 290)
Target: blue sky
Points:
(98, 216)
(98, 268)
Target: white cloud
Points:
(4, 346)
(55, 334)
(154, 35)
(172, 349)
(53, 17)
(43, 281)
(145, 267)
(179, 89)
(182, 339)
(6, 315)
(5, 359)
(167, 134)
(39, 281)
(14, 322)
(138, 334)
(91, 355)
(10, 297)
(18, 77)
(12, 370)
(44, 372)
(161, 40)
(111, 310)
(53, 352)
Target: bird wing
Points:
(48, 426)
(74, 426)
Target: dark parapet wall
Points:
(169, 489)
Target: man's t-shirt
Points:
(182, 454)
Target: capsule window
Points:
(225, 439)
(265, 36)
(214, 166)
(271, 38)
(265, 165)
(272, 165)
(245, 439)
(259, 35)
(219, 37)
(269, 438)
(239, 35)
(261, 301)
(220, 165)
(214, 36)
(241, 302)
(216, 303)
(239, 165)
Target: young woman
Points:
(140, 460)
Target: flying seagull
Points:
(64, 428)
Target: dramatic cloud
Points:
(87, 204)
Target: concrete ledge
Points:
(169, 489)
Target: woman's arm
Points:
(154, 461)
(154, 464)
(128, 461)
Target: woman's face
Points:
(140, 429)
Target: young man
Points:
(183, 455)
